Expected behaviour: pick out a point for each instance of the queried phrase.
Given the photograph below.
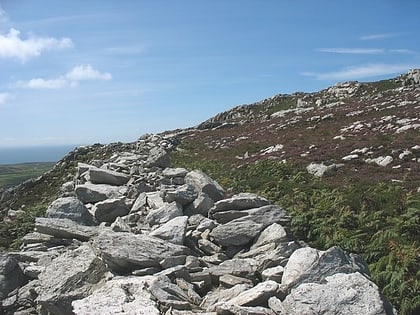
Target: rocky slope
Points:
(129, 234)
(125, 232)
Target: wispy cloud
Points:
(361, 72)
(71, 78)
(369, 51)
(3, 16)
(402, 51)
(3, 98)
(13, 46)
(127, 50)
(378, 36)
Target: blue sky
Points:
(81, 72)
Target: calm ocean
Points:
(34, 154)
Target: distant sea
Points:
(34, 154)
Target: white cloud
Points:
(3, 98)
(3, 16)
(13, 46)
(364, 71)
(86, 72)
(72, 78)
(369, 51)
(378, 36)
(40, 83)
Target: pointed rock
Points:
(172, 231)
(203, 183)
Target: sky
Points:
(100, 71)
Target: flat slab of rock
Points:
(240, 201)
(126, 295)
(345, 294)
(65, 228)
(236, 233)
(69, 277)
(102, 176)
(91, 193)
(125, 252)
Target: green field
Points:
(13, 174)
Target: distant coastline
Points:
(34, 154)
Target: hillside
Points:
(344, 162)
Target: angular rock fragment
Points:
(203, 183)
(65, 228)
(240, 201)
(70, 208)
(11, 275)
(164, 213)
(91, 193)
(310, 265)
(236, 233)
(108, 210)
(69, 277)
(172, 231)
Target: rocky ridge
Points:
(130, 234)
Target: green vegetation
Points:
(14, 174)
(380, 221)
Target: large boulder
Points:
(69, 277)
(103, 176)
(70, 208)
(125, 295)
(184, 195)
(125, 252)
(203, 183)
(345, 294)
(11, 276)
(91, 193)
(311, 265)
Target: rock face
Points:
(167, 241)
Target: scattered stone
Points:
(236, 233)
(91, 193)
(11, 275)
(65, 228)
(164, 213)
